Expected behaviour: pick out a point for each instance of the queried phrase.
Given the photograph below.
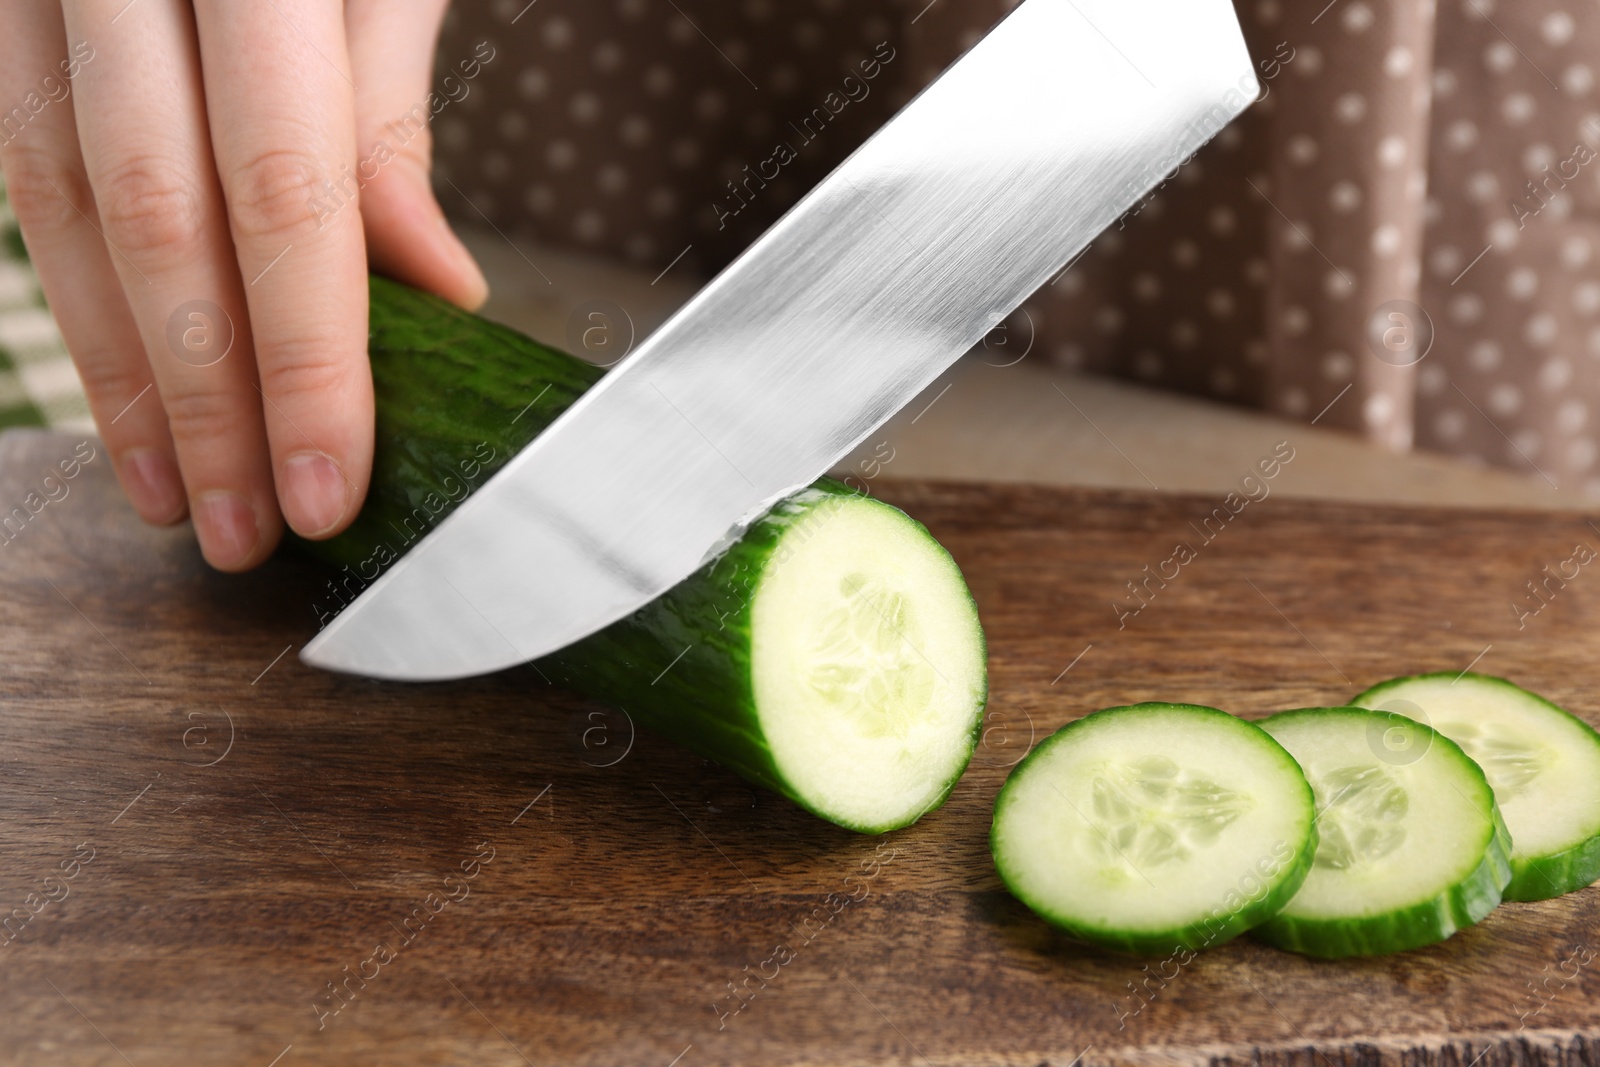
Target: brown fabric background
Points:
(1385, 163)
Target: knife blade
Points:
(972, 197)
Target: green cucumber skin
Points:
(1192, 937)
(1532, 877)
(450, 389)
(447, 381)
(705, 701)
(1462, 905)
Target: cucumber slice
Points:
(1155, 828)
(1411, 847)
(833, 654)
(1543, 763)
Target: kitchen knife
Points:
(971, 198)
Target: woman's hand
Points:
(199, 187)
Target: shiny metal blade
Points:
(971, 198)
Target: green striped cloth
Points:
(38, 384)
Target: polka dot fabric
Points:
(1389, 159)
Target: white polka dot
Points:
(496, 167)
(1450, 425)
(1357, 17)
(1184, 334)
(1255, 271)
(589, 226)
(1345, 196)
(1337, 285)
(1575, 252)
(1220, 303)
(1555, 375)
(1586, 298)
(1500, 57)
(612, 179)
(560, 154)
(607, 56)
(635, 131)
(1525, 445)
(1542, 329)
(1297, 235)
(685, 152)
(1517, 108)
(1445, 261)
(1504, 399)
(1307, 61)
(557, 32)
(533, 83)
(1185, 253)
(1230, 138)
(512, 126)
(1577, 79)
(1255, 352)
(640, 247)
(1295, 320)
(1293, 400)
(1350, 108)
(1571, 415)
(658, 80)
(1337, 367)
(1444, 82)
(1503, 234)
(540, 199)
(1386, 239)
(1302, 150)
(1461, 135)
(1485, 355)
(1538, 156)
(1147, 287)
(1522, 283)
(1466, 308)
(1147, 365)
(1222, 219)
(584, 108)
(1477, 9)
(1483, 186)
(1378, 409)
(1109, 319)
(1432, 379)
(1398, 61)
(662, 202)
(1267, 12)
(1556, 27)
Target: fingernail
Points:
(227, 528)
(153, 485)
(313, 492)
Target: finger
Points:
(49, 191)
(141, 126)
(283, 128)
(391, 55)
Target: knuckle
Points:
(270, 194)
(111, 377)
(302, 369)
(201, 417)
(151, 208)
(45, 192)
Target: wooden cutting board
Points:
(203, 834)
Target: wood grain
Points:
(229, 885)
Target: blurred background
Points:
(1396, 243)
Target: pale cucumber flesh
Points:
(1542, 762)
(1411, 845)
(1154, 828)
